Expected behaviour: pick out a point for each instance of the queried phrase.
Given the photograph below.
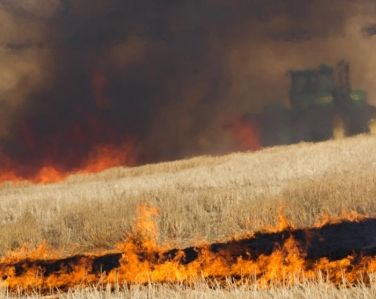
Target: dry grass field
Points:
(204, 198)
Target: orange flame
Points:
(282, 224)
(143, 261)
(101, 157)
(344, 215)
(246, 135)
(88, 143)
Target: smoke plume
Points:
(165, 76)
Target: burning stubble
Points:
(163, 79)
(343, 249)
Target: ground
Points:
(204, 198)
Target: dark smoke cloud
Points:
(175, 71)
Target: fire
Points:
(327, 218)
(275, 258)
(88, 142)
(246, 135)
(100, 158)
(282, 224)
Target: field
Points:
(204, 198)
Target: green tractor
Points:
(319, 99)
(313, 104)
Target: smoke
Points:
(167, 75)
(22, 59)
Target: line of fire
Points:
(341, 250)
(321, 102)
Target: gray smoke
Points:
(177, 70)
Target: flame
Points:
(282, 222)
(101, 157)
(246, 135)
(88, 144)
(141, 260)
(327, 218)
(145, 232)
